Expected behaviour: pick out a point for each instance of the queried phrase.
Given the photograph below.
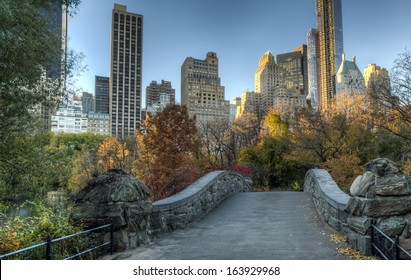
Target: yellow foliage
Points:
(348, 251)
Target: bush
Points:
(17, 233)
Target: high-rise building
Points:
(295, 65)
(201, 90)
(312, 96)
(374, 72)
(102, 92)
(330, 48)
(269, 81)
(349, 77)
(125, 71)
(56, 15)
(88, 102)
(155, 92)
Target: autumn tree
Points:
(246, 129)
(391, 106)
(168, 151)
(114, 153)
(339, 139)
(219, 142)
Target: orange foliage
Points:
(169, 145)
(113, 154)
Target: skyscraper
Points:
(269, 80)
(201, 90)
(312, 96)
(102, 92)
(330, 48)
(276, 86)
(56, 16)
(125, 71)
(295, 65)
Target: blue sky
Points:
(239, 31)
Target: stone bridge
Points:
(219, 217)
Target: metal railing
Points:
(386, 247)
(87, 244)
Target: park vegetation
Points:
(169, 153)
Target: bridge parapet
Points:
(382, 196)
(120, 199)
(196, 201)
(328, 198)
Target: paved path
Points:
(274, 225)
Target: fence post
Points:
(372, 238)
(48, 247)
(111, 238)
(397, 248)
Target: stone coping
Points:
(329, 189)
(192, 192)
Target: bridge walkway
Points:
(256, 225)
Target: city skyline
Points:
(240, 32)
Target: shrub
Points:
(17, 233)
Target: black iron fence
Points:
(88, 244)
(386, 247)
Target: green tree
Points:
(269, 158)
(28, 49)
(84, 169)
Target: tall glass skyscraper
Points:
(330, 48)
(125, 71)
(312, 68)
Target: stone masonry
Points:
(118, 198)
(382, 195)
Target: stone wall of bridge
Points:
(196, 201)
(120, 199)
(382, 196)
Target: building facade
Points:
(98, 123)
(312, 97)
(57, 17)
(249, 103)
(125, 71)
(234, 106)
(69, 118)
(201, 90)
(269, 81)
(155, 92)
(349, 78)
(102, 92)
(296, 69)
(374, 72)
(330, 47)
(163, 100)
(88, 102)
